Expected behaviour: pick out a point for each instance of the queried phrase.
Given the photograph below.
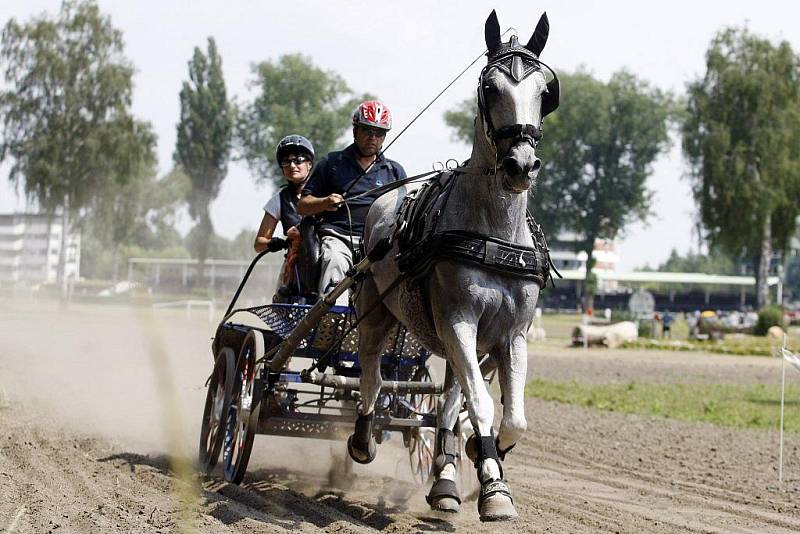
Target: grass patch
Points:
(730, 405)
(740, 346)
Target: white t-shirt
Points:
(273, 206)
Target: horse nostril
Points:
(537, 164)
(511, 167)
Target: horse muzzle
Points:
(521, 168)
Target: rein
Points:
(391, 186)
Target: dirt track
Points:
(83, 448)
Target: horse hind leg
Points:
(371, 336)
(444, 495)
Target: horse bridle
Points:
(519, 63)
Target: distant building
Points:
(562, 252)
(30, 244)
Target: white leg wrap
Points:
(449, 472)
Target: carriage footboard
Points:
(334, 427)
(347, 383)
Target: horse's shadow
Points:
(290, 499)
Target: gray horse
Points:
(460, 309)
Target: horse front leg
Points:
(513, 372)
(444, 495)
(494, 502)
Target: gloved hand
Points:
(276, 243)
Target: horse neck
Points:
(479, 203)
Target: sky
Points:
(405, 52)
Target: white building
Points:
(562, 252)
(568, 261)
(30, 245)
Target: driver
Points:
(360, 167)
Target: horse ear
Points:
(492, 32)
(539, 37)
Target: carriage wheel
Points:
(218, 401)
(422, 439)
(242, 421)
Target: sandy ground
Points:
(89, 419)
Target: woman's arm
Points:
(265, 231)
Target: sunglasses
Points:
(373, 132)
(299, 160)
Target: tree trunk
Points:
(115, 265)
(765, 255)
(62, 253)
(206, 231)
(589, 281)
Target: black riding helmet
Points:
(294, 144)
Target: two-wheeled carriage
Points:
(293, 370)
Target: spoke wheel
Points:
(218, 401)
(422, 439)
(242, 421)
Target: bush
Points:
(769, 316)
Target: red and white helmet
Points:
(373, 113)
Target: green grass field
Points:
(740, 406)
(743, 346)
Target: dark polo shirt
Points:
(335, 172)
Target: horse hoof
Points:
(495, 503)
(497, 508)
(443, 496)
(445, 504)
(360, 455)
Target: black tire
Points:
(218, 401)
(422, 440)
(245, 408)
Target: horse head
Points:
(516, 90)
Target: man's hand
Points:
(333, 201)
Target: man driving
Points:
(355, 170)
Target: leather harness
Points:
(421, 244)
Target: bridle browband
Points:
(518, 62)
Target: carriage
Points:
(314, 393)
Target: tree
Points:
(716, 262)
(294, 97)
(140, 212)
(204, 139)
(66, 120)
(741, 137)
(597, 153)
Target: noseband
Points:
(518, 63)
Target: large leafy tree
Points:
(597, 152)
(67, 127)
(140, 212)
(293, 96)
(204, 138)
(741, 136)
